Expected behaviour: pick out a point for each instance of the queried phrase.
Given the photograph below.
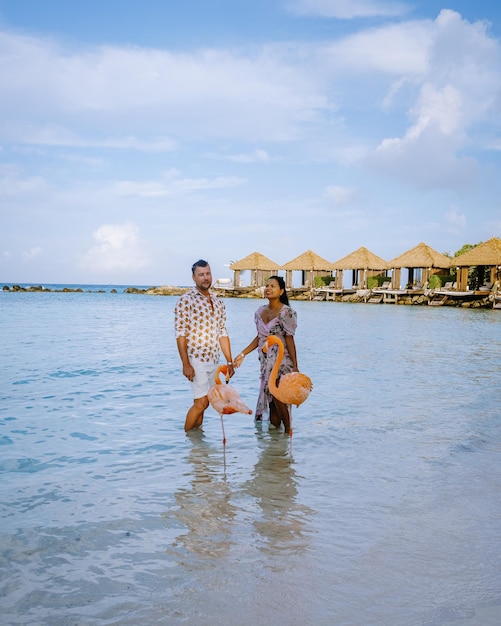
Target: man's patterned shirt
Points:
(201, 324)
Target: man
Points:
(200, 324)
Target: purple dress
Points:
(284, 324)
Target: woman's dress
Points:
(284, 324)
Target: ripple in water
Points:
(383, 508)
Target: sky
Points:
(137, 136)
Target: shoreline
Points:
(165, 290)
(438, 297)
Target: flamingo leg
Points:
(222, 426)
(290, 431)
(224, 440)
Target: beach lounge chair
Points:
(485, 287)
(438, 299)
(375, 298)
(377, 294)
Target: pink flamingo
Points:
(294, 387)
(225, 399)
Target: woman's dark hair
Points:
(281, 283)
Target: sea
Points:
(382, 509)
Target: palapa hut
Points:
(422, 257)
(363, 264)
(486, 256)
(260, 268)
(310, 265)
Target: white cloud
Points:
(258, 156)
(382, 109)
(172, 183)
(55, 135)
(439, 108)
(426, 152)
(349, 9)
(119, 97)
(494, 144)
(13, 183)
(118, 247)
(119, 91)
(464, 56)
(32, 252)
(457, 92)
(339, 195)
(399, 50)
(426, 159)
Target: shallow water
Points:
(384, 508)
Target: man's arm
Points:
(224, 342)
(182, 347)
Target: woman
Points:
(275, 318)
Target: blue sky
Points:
(137, 137)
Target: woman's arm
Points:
(250, 348)
(291, 349)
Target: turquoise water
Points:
(384, 508)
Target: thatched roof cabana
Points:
(361, 261)
(420, 257)
(485, 255)
(310, 264)
(259, 265)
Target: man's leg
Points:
(195, 415)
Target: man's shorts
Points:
(204, 377)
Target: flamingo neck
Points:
(222, 369)
(274, 372)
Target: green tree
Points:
(473, 272)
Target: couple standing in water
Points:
(200, 326)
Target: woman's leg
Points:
(279, 413)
